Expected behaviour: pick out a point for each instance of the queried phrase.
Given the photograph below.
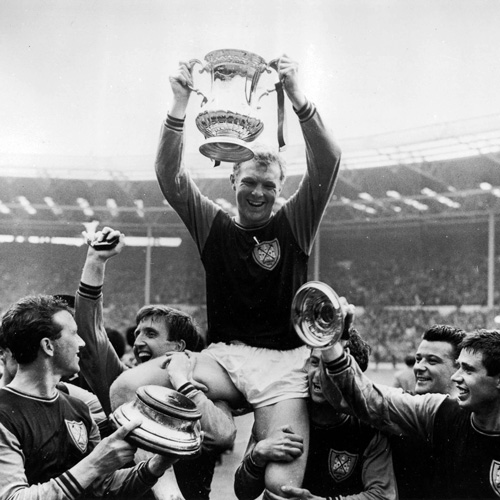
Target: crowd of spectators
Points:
(397, 296)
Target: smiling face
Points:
(151, 340)
(257, 188)
(477, 390)
(67, 345)
(434, 366)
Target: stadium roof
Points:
(440, 175)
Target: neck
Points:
(487, 420)
(324, 414)
(34, 382)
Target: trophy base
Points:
(228, 149)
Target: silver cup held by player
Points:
(317, 314)
(229, 118)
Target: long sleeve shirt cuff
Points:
(188, 390)
(89, 291)
(306, 112)
(176, 124)
(338, 365)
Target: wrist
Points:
(332, 352)
(257, 458)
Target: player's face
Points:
(314, 379)
(434, 366)
(68, 345)
(257, 188)
(477, 391)
(151, 340)
(9, 365)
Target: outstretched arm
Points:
(99, 364)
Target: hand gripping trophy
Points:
(229, 116)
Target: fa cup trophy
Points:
(170, 421)
(317, 314)
(229, 118)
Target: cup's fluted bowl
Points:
(317, 314)
(170, 421)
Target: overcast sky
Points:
(90, 77)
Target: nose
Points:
(257, 190)
(139, 340)
(419, 366)
(81, 342)
(457, 376)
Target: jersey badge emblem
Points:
(267, 254)
(341, 464)
(78, 433)
(495, 476)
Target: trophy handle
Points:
(192, 63)
(273, 64)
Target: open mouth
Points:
(143, 356)
(462, 393)
(256, 204)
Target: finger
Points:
(125, 429)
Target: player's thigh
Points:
(220, 386)
(293, 413)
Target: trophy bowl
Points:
(317, 314)
(170, 421)
(228, 119)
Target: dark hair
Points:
(410, 360)
(265, 156)
(28, 321)
(117, 341)
(445, 333)
(180, 325)
(487, 343)
(359, 349)
(130, 335)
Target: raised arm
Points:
(99, 364)
(386, 408)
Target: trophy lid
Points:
(170, 421)
(168, 402)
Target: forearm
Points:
(249, 478)
(386, 408)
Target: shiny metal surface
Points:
(229, 117)
(170, 421)
(317, 314)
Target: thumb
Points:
(125, 429)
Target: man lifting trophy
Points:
(257, 260)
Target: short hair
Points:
(487, 343)
(445, 333)
(180, 325)
(410, 360)
(264, 156)
(360, 349)
(28, 321)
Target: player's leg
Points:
(268, 419)
(205, 370)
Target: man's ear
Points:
(232, 179)
(47, 346)
(180, 345)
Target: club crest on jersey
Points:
(78, 433)
(341, 464)
(267, 254)
(495, 476)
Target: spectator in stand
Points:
(49, 443)
(347, 459)
(405, 378)
(160, 330)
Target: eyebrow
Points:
(466, 366)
